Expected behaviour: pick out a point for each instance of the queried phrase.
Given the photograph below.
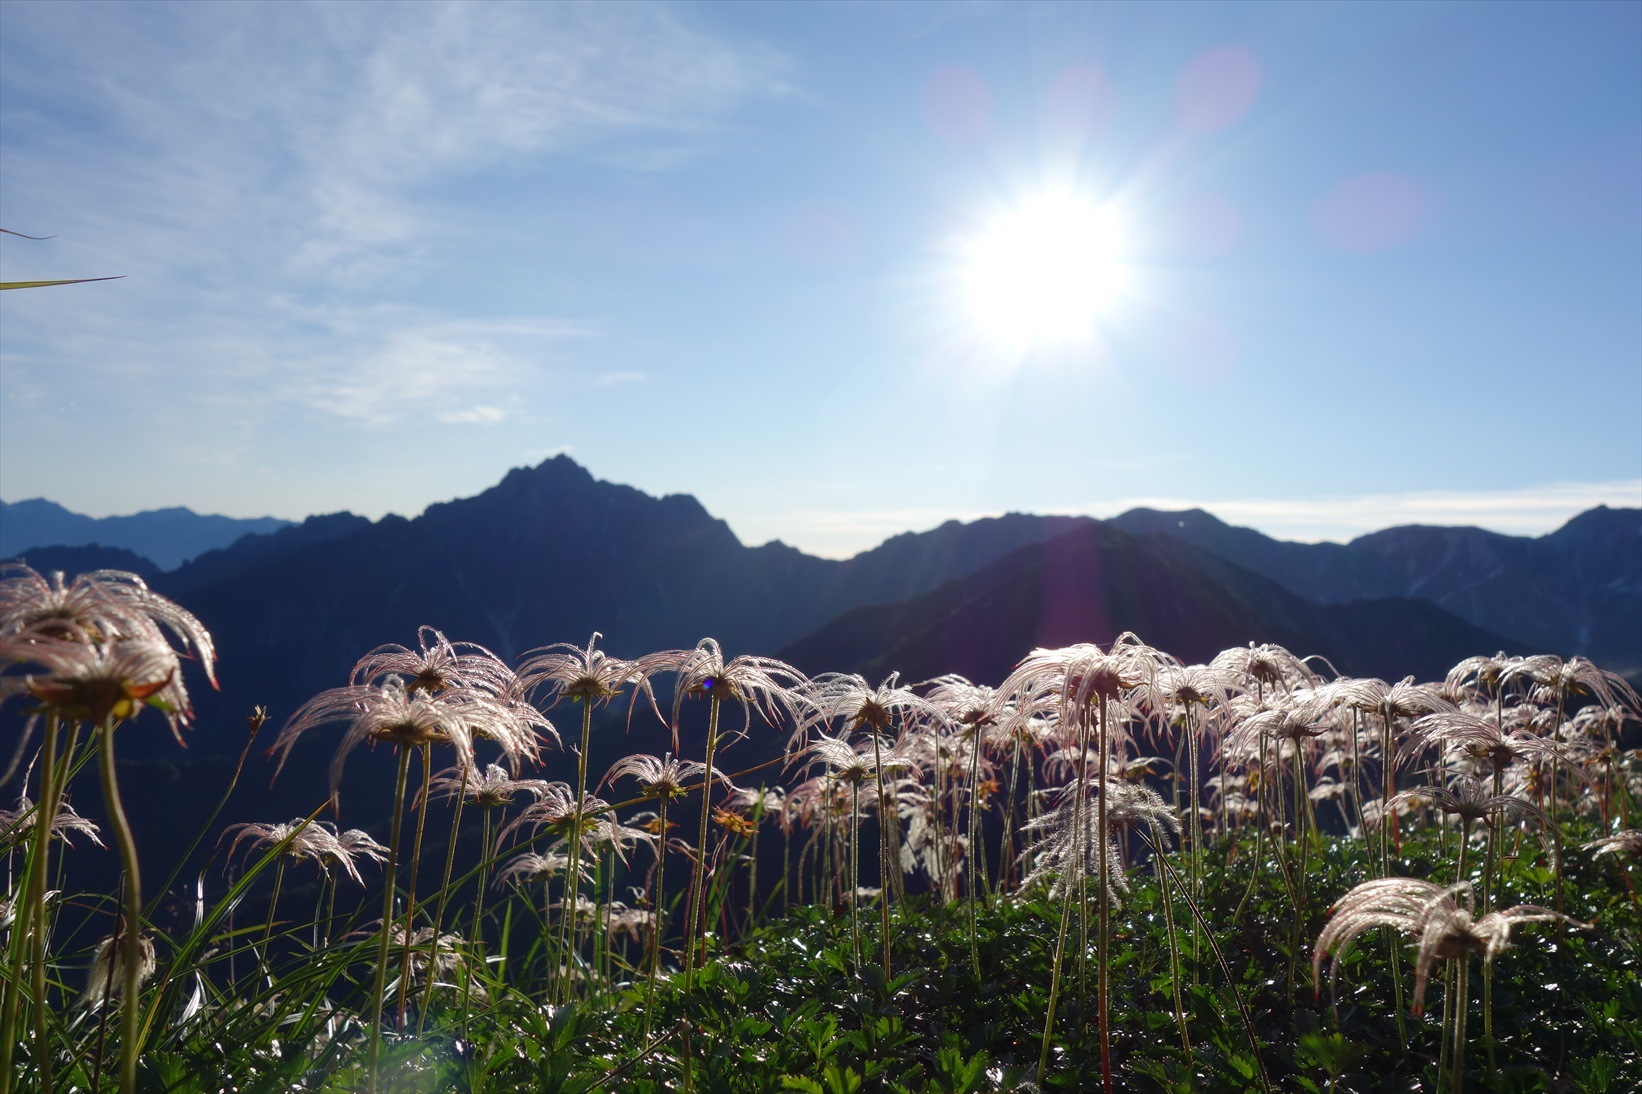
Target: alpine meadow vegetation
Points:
(1110, 871)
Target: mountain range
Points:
(551, 554)
(166, 537)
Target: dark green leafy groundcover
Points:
(784, 1009)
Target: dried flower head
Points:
(106, 681)
(582, 675)
(1061, 853)
(756, 683)
(493, 788)
(1626, 842)
(1429, 912)
(108, 969)
(100, 607)
(18, 824)
(395, 716)
(667, 778)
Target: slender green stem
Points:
(1462, 979)
(410, 891)
(577, 822)
(476, 932)
(1259, 838)
(1445, 1049)
(855, 873)
(1195, 863)
(752, 863)
(977, 860)
(1103, 940)
(886, 819)
(1079, 834)
(1297, 922)
(387, 920)
(131, 935)
(658, 906)
(1392, 941)
(1054, 986)
(1006, 854)
(268, 926)
(31, 919)
(444, 893)
(696, 913)
(1465, 844)
(1174, 954)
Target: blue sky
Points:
(1363, 264)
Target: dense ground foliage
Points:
(1112, 870)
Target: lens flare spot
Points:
(1217, 88)
(1371, 213)
(957, 104)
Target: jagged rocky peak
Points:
(562, 492)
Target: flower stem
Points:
(410, 893)
(696, 915)
(886, 818)
(855, 873)
(444, 892)
(132, 936)
(577, 819)
(977, 860)
(31, 919)
(1102, 941)
(387, 920)
(657, 906)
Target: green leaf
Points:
(44, 284)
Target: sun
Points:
(1045, 271)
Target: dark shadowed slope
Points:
(80, 560)
(550, 554)
(1094, 583)
(1576, 590)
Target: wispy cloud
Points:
(451, 372)
(284, 185)
(318, 132)
(461, 87)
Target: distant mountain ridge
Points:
(1577, 590)
(551, 554)
(1096, 582)
(166, 537)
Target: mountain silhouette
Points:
(552, 554)
(166, 537)
(1577, 590)
(1094, 583)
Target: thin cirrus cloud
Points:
(251, 161)
(468, 373)
(467, 86)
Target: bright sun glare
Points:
(1044, 271)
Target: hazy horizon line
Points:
(1524, 511)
